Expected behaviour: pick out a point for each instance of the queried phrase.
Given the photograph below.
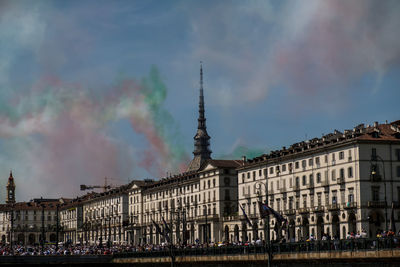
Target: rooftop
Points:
(387, 132)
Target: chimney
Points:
(376, 124)
(244, 159)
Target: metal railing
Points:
(361, 244)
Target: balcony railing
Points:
(340, 180)
(282, 189)
(376, 204)
(231, 218)
(350, 205)
(376, 178)
(296, 187)
(333, 247)
(303, 210)
(334, 206)
(290, 212)
(253, 216)
(310, 185)
(319, 209)
(325, 182)
(209, 217)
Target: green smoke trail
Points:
(155, 93)
(240, 151)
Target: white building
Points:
(103, 217)
(340, 183)
(192, 204)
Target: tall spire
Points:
(201, 119)
(201, 151)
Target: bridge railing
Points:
(276, 248)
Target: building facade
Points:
(338, 184)
(192, 205)
(27, 222)
(103, 216)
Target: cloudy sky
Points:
(90, 89)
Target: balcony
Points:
(282, 189)
(340, 180)
(334, 206)
(231, 218)
(296, 187)
(303, 210)
(325, 183)
(349, 205)
(253, 216)
(376, 204)
(209, 217)
(246, 195)
(270, 192)
(376, 178)
(310, 186)
(396, 204)
(319, 209)
(289, 212)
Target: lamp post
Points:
(133, 222)
(43, 232)
(11, 232)
(374, 172)
(178, 225)
(258, 185)
(206, 226)
(57, 225)
(109, 232)
(184, 227)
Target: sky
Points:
(95, 89)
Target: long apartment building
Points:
(340, 183)
(192, 204)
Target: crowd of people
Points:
(109, 249)
(37, 250)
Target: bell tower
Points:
(10, 190)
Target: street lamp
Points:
(43, 230)
(109, 231)
(11, 231)
(133, 222)
(258, 185)
(184, 235)
(375, 158)
(57, 225)
(206, 226)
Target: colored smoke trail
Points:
(239, 150)
(57, 135)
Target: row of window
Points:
(192, 199)
(294, 202)
(289, 166)
(190, 213)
